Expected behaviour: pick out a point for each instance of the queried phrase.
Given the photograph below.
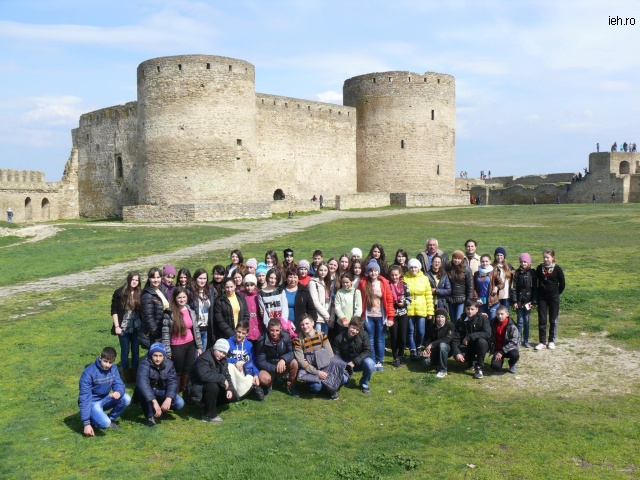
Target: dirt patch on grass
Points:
(35, 233)
(491, 224)
(585, 365)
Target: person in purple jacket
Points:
(96, 396)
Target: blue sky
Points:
(538, 83)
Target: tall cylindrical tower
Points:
(405, 131)
(196, 129)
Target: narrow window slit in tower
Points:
(390, 79)
(208, 66)
(274, 102)
(433, 114)
(409, 79)
(263, 101)
(239, 142)
(158, 68)
(179, 66)
(438, 170)
(425, 80)
(401, 143)
(286, 104)
(308, 107)
(230, 68)
(438, 80)
(374, 80)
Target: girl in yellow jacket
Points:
(421, 307)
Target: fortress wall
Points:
(304, 147)
(406, 131)
(362, 200)
(428, 199)
(102, 137)
(29, 204)
(284, 206)
(195, 212)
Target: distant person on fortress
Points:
(471, 341)
(489, 173)
(168, 275)
(353, 347)
(461, 280)
(550, 285)
(597, 147)
(321, 202)
(274, 358)
(471, 259)
(210, 382)
(157, 385)
(505, 341)
(9, 215)
(595, 198)
(613, 196)
(479, 200)
(624, 146)
(96, 383)
(535, 201)
(314, 199)
(431, 251)
(523, 294)
(438, 342)
(614, 147)
(473, 200)
(154, 300)
(558, 198)
(126, 312)
(487, 284)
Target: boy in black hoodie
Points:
(440, 334)
(471, 341)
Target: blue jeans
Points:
(101, 419)
(439, 354)
(493, 311)
(415, 332)
(314, 387)
(455, 311)
(505, 302)
(366, 367)
(376, 329)
(523, 321)
(322, 327)
(129, 340)
(176, 404)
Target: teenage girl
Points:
(487, 284)
(126, 310)
(401, 299)
(550, 285)
(201, 301)
(461, 280)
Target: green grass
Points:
(422, 429)
(11, 239)
(81, 247)
(5, 224)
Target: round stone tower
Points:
(196, 129)
(405, 131)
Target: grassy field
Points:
(81, 246)
(411, 427)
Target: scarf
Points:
(485, 271)
(546, 271)
(397, 291)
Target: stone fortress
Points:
(200, 144)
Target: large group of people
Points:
(216, 339)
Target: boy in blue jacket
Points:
(244, 374)
(96, 383)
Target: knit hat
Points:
(458, 254)
(525, 257)
(250, 278)
(287, 251)
(262, 268)
(414, 262)
(442, 311)
(157, 347)
(356, 251)
(222, 345)
(168, 270)
(372, 264)
(500, 250)
(304, 264)
(252, 262)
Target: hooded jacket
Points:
(95, 384)
(348, 303)
(421, 298)
(158, 377)
(242, 353)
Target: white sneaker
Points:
(551, 346)
(540, 346)
(441, 374)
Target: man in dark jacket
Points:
(354, 347)
(471, 341)
(437, 342)
(157, 385)
(96, 384)
(431, 251)
(274, 357)
(505, 340)
(210, 382)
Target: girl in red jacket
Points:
(377, 306)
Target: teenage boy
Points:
(96, 396)
(157, 385)
(274, 358)
(439, 334)
(317, 260)
(244, 373)
(354, 348)
(471, 341)
(505, 340)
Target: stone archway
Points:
(278, 194)
(625, 167)
(28, 212)
(46, 209)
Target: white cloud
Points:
(534, 117)
(64, 110)
(615, 86)
(330, 96)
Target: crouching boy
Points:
(274, 358)
(96, 396)
(439, 334)
(505, 340)
(471, 341)
(243, 372)
(157, 385)
(354, 347)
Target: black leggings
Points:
(552, 303)
(399, 335)
(183, 356)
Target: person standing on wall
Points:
(597, 147)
